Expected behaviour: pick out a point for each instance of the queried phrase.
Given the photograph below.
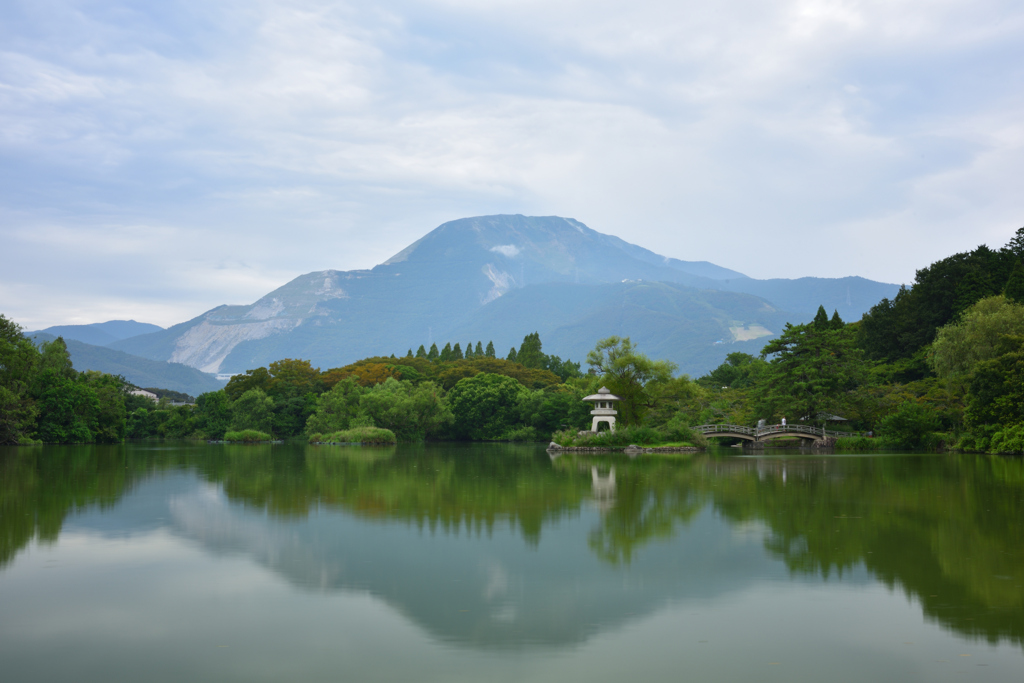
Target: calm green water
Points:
(180, 562)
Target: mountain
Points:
(100, 334)
(499, 278)
(142, 372)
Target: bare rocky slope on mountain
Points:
(499, 278)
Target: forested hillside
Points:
(940, 363)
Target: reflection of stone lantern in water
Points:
(604, 408)
(603, 489)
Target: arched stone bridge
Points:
(762, 434)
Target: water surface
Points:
(170, 562)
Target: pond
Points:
(451, 562)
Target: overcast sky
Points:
(162, 158)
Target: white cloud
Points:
(304, 135)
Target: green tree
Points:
(19, 360)
(836, 322)
(737, 372)
(553, 409)
(412, 412)
(213, 414)
(456, 352)
(433, 354)
(812, 372)
(975, 337)
(67, 407)
(485, 407)
(490, 349)
(512, 355)
(565, 369)
(530, 354)
(111, 417)
(421, 352)
(253, 410)
(478, 352)
(336, 408)
(629, 375)
(252, 379)
(911, 426)
(821, 319)
(446, 353)
(1014, 290)
(996, 391)
(1016, 245)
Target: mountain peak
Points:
(500, 277)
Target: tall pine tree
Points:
(1015, 285)
(490, 349)
(530, 354)
(512, 355)
(446, 352)
(456, 352)
(421, 352)
(433, 355)
(821, 319)
(478, 352)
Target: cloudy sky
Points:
(161, 158)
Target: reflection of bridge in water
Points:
(770, 432)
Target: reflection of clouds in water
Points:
(496, 587)
(207, 516)
(505, 614)
(497, 581)
(750, 530)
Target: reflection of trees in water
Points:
(946, 529)
(40, 486)
(652, 500)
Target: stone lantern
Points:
(604, 408)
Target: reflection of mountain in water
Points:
(482, 588)
(499, 547)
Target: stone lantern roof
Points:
(602, 395)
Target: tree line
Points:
(940, 364)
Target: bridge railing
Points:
(732, 429)
(768, 430)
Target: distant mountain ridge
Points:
(100, 334)
(142, 372)
(452, 284)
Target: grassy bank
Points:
(247, 436)
(374, 435)
(628, 436)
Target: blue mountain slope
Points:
(142, 372)
(501, 277)
(101, 334)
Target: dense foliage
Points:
(43, 398)
(943, 363)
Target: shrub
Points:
(361, 435)
(247, 436)
(858, 443)
(565, 437)
(911, 426)
(641, 436)
(520, 434)
(1009, 439)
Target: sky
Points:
(158, 159)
